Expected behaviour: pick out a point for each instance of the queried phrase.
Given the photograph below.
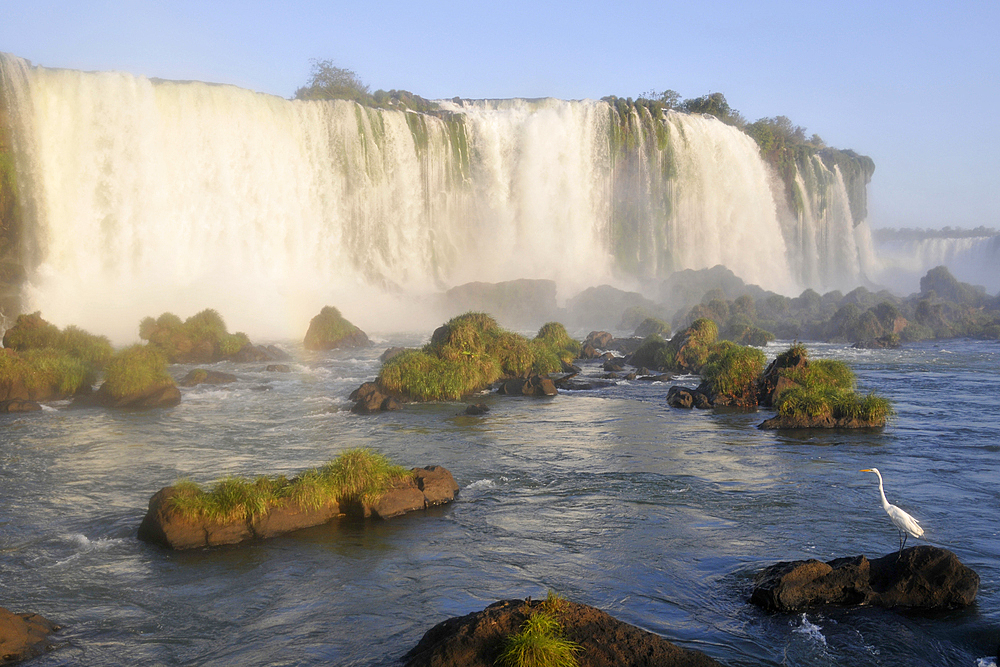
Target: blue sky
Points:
(915, 85)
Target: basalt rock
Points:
(922, 577)
(804, 421)
(159, 396)
(683, 397)
(203, 376)
(18, 405)
(477, 639)
(476, 409)
(250, 353)
(534, 385)
(163, 525)
(278, 368)
(23, 636)
(369, 399)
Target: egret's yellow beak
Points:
(866, 470)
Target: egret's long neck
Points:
(885, 502)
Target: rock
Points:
(329, 330)
(162, 525)
(771, 383)
(614, 365)
(476, 640)
(588, 351)
(626, 345)
(599, 339)
(522, 303)
(889, 341)
(922, 577)
(534, 385)
(369, 400)
(683, 397)
(803, 421)
(278, 368)
(163, 396)
(23, 636)
(202, 376)
(476, 409)
(251, 353)
(390, 353)
(18, 405)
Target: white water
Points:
(971, 259)
(143, 197)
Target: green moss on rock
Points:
(329, 330)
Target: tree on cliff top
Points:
(329, 82)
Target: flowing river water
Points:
(608, 497)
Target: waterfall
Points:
(907, 255)
(142, 196)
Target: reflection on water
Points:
(658, 516)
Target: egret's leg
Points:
(905, 535)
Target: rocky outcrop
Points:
(476, 640)
(922, 577)
(534, 385)
(826, 421)
(13, 405)
(887, 342)
(683, 397)
(329, 330)
(163, 525)
(23, 636)
(203, 376)
(250, 353)
(369, 399)
(159, 396)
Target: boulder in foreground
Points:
(477, 639)
(23, 636)
(922, 577)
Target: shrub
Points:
(820, 402)
(178, 340)
(31, 332)
(822, 373)
(653, 352)
(469, 353)
(539, 644)
(732, 370)
(355, 475)
(136, 370)
(87, 347)
(652, 325)
(44, 373)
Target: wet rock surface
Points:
(922, 577)
(476, 640)
(23, 636)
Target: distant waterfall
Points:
(907, 255)
(142, 196)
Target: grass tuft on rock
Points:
(136, 370)
(329, 329)
(203, 337)
(42, 374)
(356, 475)
(733, 370)
(539, 643)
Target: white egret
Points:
(905, 524)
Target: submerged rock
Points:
(163, 525)
(476, 640)
(476, 409)
(23, 636)
(534, 385)
(18, 405)
(161, 396)
(923, 577)
(683, 397)
(804, 421)
(368, 399)
(250, 353)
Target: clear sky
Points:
(915, 85)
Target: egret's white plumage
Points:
(905, 524)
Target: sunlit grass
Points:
(355, 475)
(539, 643)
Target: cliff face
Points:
(12, 273)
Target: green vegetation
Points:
(824, 389)
(136, 370)
(469, 353)
(329, 329)
(43, 374)
(329, 82)
(652, 325)
(202, 337)
(540, 641)
(357, 475)
(733, 370)
(31, 332)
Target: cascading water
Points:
(140, 197)
(906, 255)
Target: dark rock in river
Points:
(534, 385)
(923, 577)
(476, 409)
(804, 421)
(370, 400)
(614, 365)
(163, 525)
(599, 339)
(18, 405)
(477, 639)
(278, 368)
(23, 636)
(889, 341)
(203, 376)
(683, 397)
(250, 353)
(162, 396)
(390, 353)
